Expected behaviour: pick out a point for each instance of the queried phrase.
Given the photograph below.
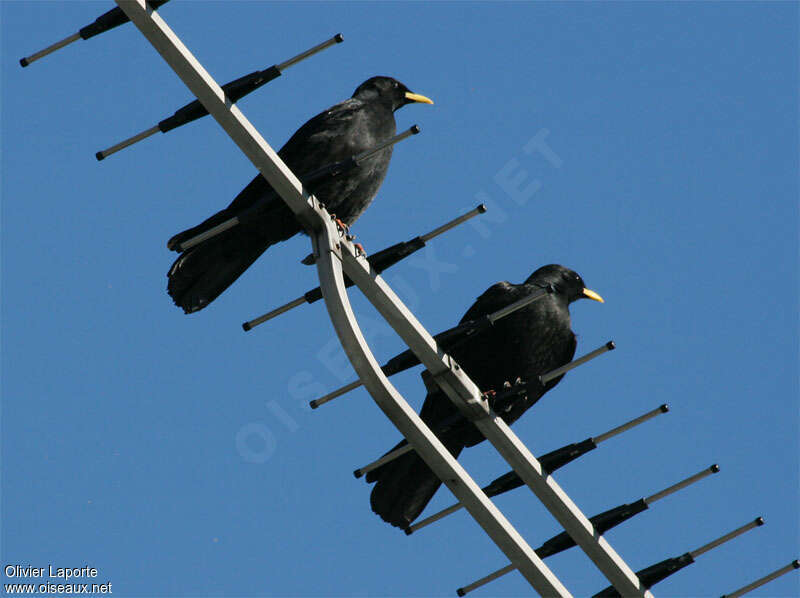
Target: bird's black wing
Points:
(475, 352)
(307, 150)
(494, 298)
(347, 129)
(319, 141)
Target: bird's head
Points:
(566, 283)
(389, 92)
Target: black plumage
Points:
(351, 127)
(526, 344)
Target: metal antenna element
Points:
(390, 456)
(484, 580)
(632, 424)
(602, 522)
(550, 462)
(609, 346)
(336, 39)
(764, 580)
(680, 485)
(379, 262)
(332, 170)
(113, 18)
(758, 521)
(447, 339)
(649, 576)
(481, 209)
(234, 91)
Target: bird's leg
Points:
(489, 394)
(343, 228)
(359, 249)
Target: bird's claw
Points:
(359, 249)
(489, 394)
(343, 228)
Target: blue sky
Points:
(174, 453)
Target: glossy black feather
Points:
(528, 343)
(356, 125)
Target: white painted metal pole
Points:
(405, 419)
(467, 397)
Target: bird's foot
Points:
(359, 249)
(489, 394)
(343, 228)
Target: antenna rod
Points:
(390, 456)
(633, 423)
(550, 462)
(602, 522)
(49, 49)
(683, 484)
(234, 91)
(378, 262)
(764, 580)
(447, 339)
(453, 223)
(113, 18)
(758, 521)
(336, 39)
(484, 580)
(649, 576)
(609, 346)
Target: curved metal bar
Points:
(413, 428)
(466, 396)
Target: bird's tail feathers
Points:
(405, 486)
(202, 273)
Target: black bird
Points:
(356, 125)
(526, 344)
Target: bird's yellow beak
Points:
(589, 294)
(417, 97)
